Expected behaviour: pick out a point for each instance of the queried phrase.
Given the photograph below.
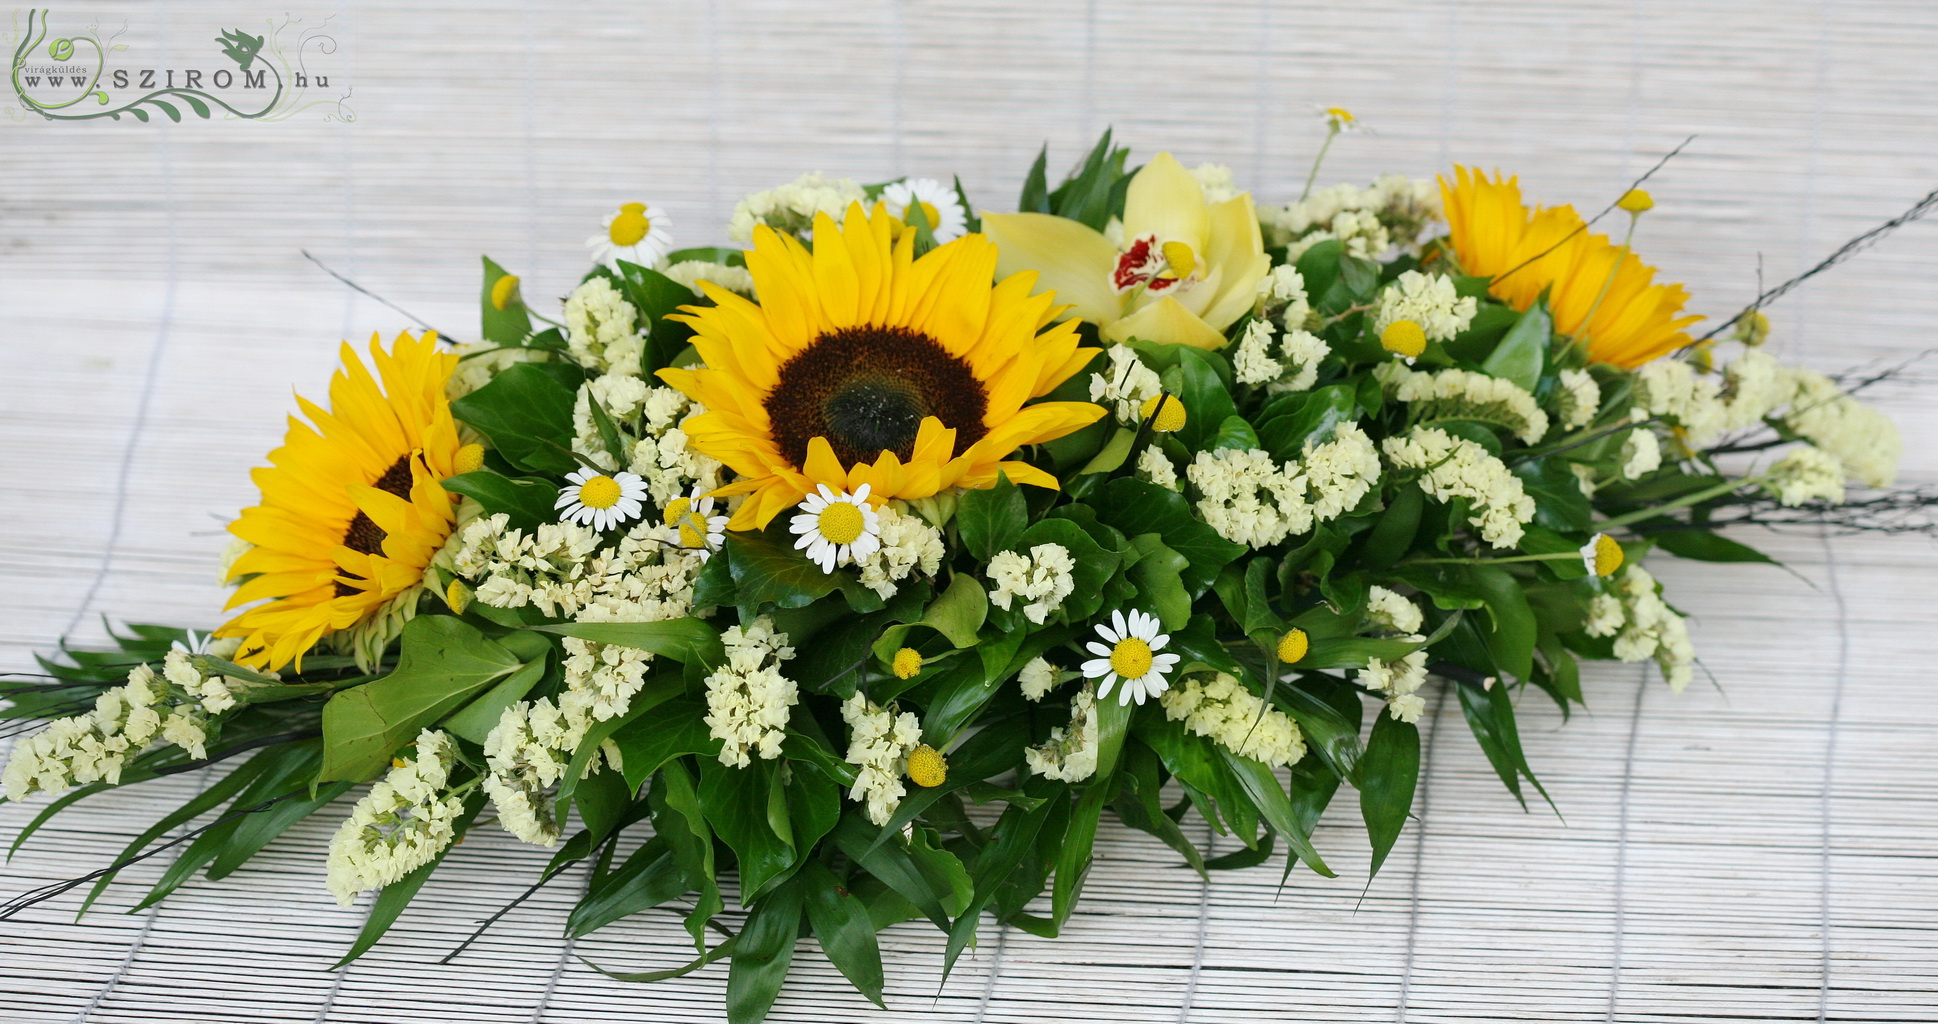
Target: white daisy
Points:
(636, 233)
(1601, 556)
(1131, 658)
(193, 642)
(600, 501)
(938, 202)
(836, 527)
(690, 523)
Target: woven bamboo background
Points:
(1757, 850)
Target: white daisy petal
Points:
(1097, 649)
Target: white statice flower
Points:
(663, 456)
(1584, 478)
(1672, 389)
(611, 674)
(599, 500)
(836, 528)
(1251, 360)
(1643, 625)
(1283, 291)
(1577, 399)
(879, 742)
(636, 233)
(602, 329)
(1124, 384)
(1359, 231)
(1399, 682)
(215, 693)
(126, 721)
(1754, 386)
(1217, 181)
(790, 208)
(690, 273)
(1037, 678)
(1451, 467)
(1042, 578)
(1301, 351)
(748, 699)
(1863, 440)
(1070, 753)
(1429, 301)
(1221, 709)
(563, 570)
(1391, 611)
(402, 824)
(1248, 497)
(940, 206)
(1641, 453)
(1129, 658)
(908, 545)
(620, 396)
(1338, 473)
(1466, 395)
(1805, 474)
(1401, 205)
(1155, 466)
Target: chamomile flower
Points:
(1601, 556)
(636, 233)
(938, 204)
(836, 527)
(1131, 658)
(690, 523)
(601, 501)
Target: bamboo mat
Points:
(1756, 850)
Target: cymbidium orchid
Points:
(1181, 270)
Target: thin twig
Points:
(420, 321)
(1606, 210)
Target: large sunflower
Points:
(1596, 290)
(862, 364)
(352, 509)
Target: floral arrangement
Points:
(850, 578)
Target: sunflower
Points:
(1598, 292)
(352, 510)
(862, 364)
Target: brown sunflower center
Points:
(867, 390)
(364, 535)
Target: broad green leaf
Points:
(508, 326)
(1393, 533)
(1559, 504)
(846, 933)
(1388, 773)
(1207, 404)
(1313, 421)
(671, 730)
(1073, 854)
(527, 501)
(1521, 354)
(526, 411)
(959, 612)
(1136, 506)
(1159, 574)
(442, 662)
(990, 519)
(739, 806)
(1512, 634)
(769, 569)
(475, 720)
(1113, 453)
(1236, 432)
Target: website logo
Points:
(274, 71)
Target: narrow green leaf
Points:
(685, 640)
(1388, 773)
(1521, 354)
(846, 933)
(764, 950)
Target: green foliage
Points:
(526, 411)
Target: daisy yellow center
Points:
(630, 226)
(908, 663)
(867, 390)
(927, 767)
(1403, 337)
(1131, 658)
(1340, 113)
(676, 510)
(1166, 420)
(599, 492)
(1608, 555)
(840, 522)
(930, 215)
(691, 525)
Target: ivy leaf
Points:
(1207, 404)
(959, 612)
(1159, 574)
(767, 569)
(526, 411)
(990, 519)
(529, 502)
(1137, 506)
(738, 804)
(1520, 355)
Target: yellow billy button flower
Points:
(1404, 338)
(1168, 419)
(504, 291)
(908, 663)
(1752, 328)
(458, 596)
(1293, 645)
(469, 459)
(1601, 555)
(927, 767)
(1635, 202)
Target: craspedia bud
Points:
(927, 767)
(458, 596)
(1167, 419)
(1635, 202)
(1403, 338)
(908, 663)
(469, 459)
(1293, 645)
(504, 292)
(1752, 328)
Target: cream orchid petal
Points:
(1165, 321)
(1070, 259)
(1165, 200)
(1236, 249)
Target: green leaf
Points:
(1388, 773)
(1085, 196)
(959, 612)
(1014, 839)
(1143, 809)
(1333, 735)
(258, 830)
(1286, 434)
(1520, 355)
(1319, 267)
(1511, 638)
(475, 720)
(1490, 714)
(1559, 504)
(1036, 186)
(1704, 546)
(282, 779)
(677, 818)
(442, 662)
(1137, 506)
(218, 791)
(767, 569)
(648, 878)
(990, 519)
(1207, 404)
(722, 950)
(895, 866)
(846, 933)
(1393, 534)
(1262, 786)
(526, 411)
(528, 501)
(739, 805)
(765, 948)
(672, 730)
(1073, 855)
(652, 294)
(1159, 574)
(1236, 432)
(509, 326)
(1113, 453)
(687, 640)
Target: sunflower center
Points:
(363, 535)
(840, 522)
(630, 226)
(867, 390)
(599, 492)
(1131, 658)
